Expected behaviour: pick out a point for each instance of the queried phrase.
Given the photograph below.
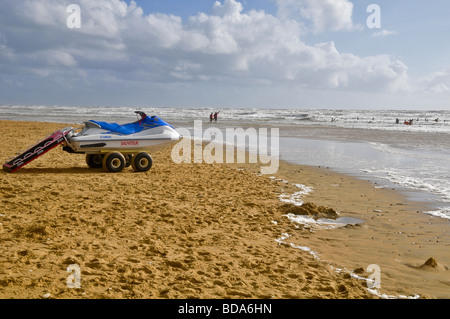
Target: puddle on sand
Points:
(341, 221)
(308, 222)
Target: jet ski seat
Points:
(132, 128)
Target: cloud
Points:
(229, 9)
(437, 82)
(119, 44)
(383, 33)
(324, 15)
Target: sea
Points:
(374, 145)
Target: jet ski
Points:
(115, 146)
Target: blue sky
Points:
(185, 9)
(227, 53)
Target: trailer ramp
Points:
(40, 148)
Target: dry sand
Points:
(203, 231)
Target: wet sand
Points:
(204, 231)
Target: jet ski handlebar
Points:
(142, 114)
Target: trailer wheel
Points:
(94, 160)
(128, 159)
(114, 162)
(142, 162)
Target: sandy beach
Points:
(206, 231)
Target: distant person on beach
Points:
(211, 117)
(215, 116)
(397, 121)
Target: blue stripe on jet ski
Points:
(132, 128)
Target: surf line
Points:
(261, 146)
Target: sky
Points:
(227, 53)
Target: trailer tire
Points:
(114, 162)
(142, 162)
(94, 160)
(128, 159)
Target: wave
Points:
(424, 121)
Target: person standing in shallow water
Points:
(215, 116)
(211, 117)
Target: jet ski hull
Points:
(97, 137)
(105, 143)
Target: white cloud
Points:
(230, 9)
(437, 82)
(383, 33)
(42, 13)
(325, 15)
(54, 58)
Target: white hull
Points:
(98, 144)
(94, 140)
(123, 146)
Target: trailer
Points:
(33, 152)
